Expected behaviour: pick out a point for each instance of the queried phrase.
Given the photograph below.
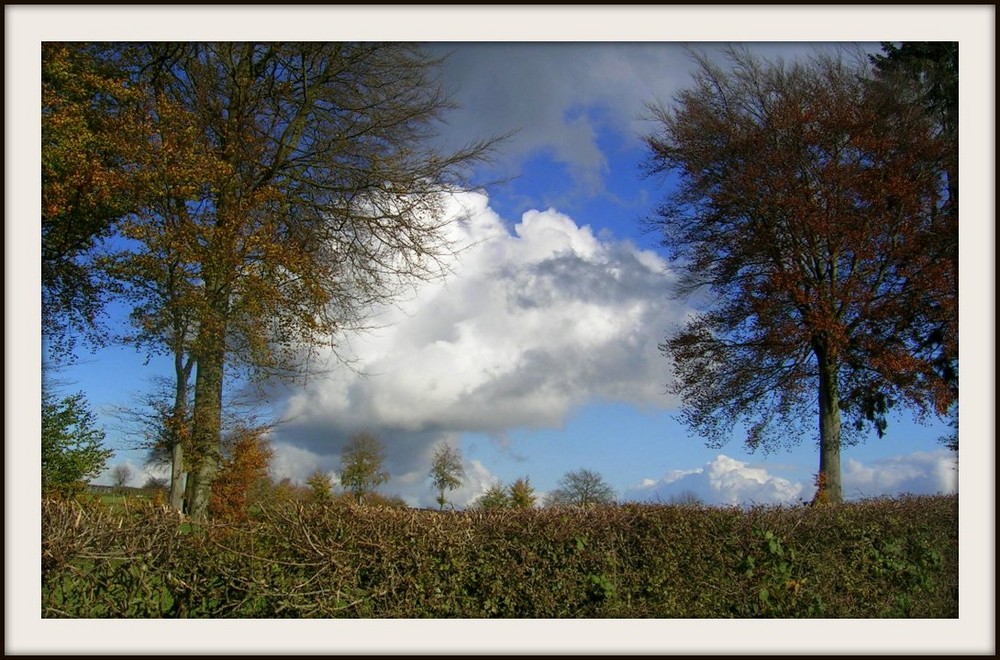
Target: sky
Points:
(538, 354)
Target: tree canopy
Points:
(72, 444)
(86, 186)
(582, 488)
(811, 206)
(446, 471)
(276, 192)
(361, 465)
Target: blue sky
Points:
(538, 354)
(578, 156)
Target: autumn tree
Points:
(86, 188)
(807, 204)
(244, 465)
(320, 486)
(928, 71)
(582, 488)
(361, 470)
(446, 471)
(72, 445)
(298, 186)
(522, 494)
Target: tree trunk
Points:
(179, 432)
(177, 480)
(207, 433)
(828, 483)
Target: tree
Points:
(582, 488)
(321, 486)
(156, 483)
(522, 495)
(297, 187)
(495, 497)
(686, 498)
(446, 471)
(808, 204)
(929, 69)
(246, 463)
(361, 465)
(120, 475)
(86, 120)
(72, 450)
(160, 424)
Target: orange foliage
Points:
(244, 467)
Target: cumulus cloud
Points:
(919, 473)
(728, 481)
(722, 481)
(530, 323)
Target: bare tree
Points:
(120, 475)
(157, 483)
(582, 488)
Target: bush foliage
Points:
(885, 558)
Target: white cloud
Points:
(722, 481)
(919, 473)
(728, 481)
(529, 325)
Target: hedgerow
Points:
(880, 558)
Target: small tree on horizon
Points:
(685, 498)
(495, 497)
(361, 471)
(156, 483)
(320, 486)
(120, 475)
(522, 494)
(446, 471)
(582, 488)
